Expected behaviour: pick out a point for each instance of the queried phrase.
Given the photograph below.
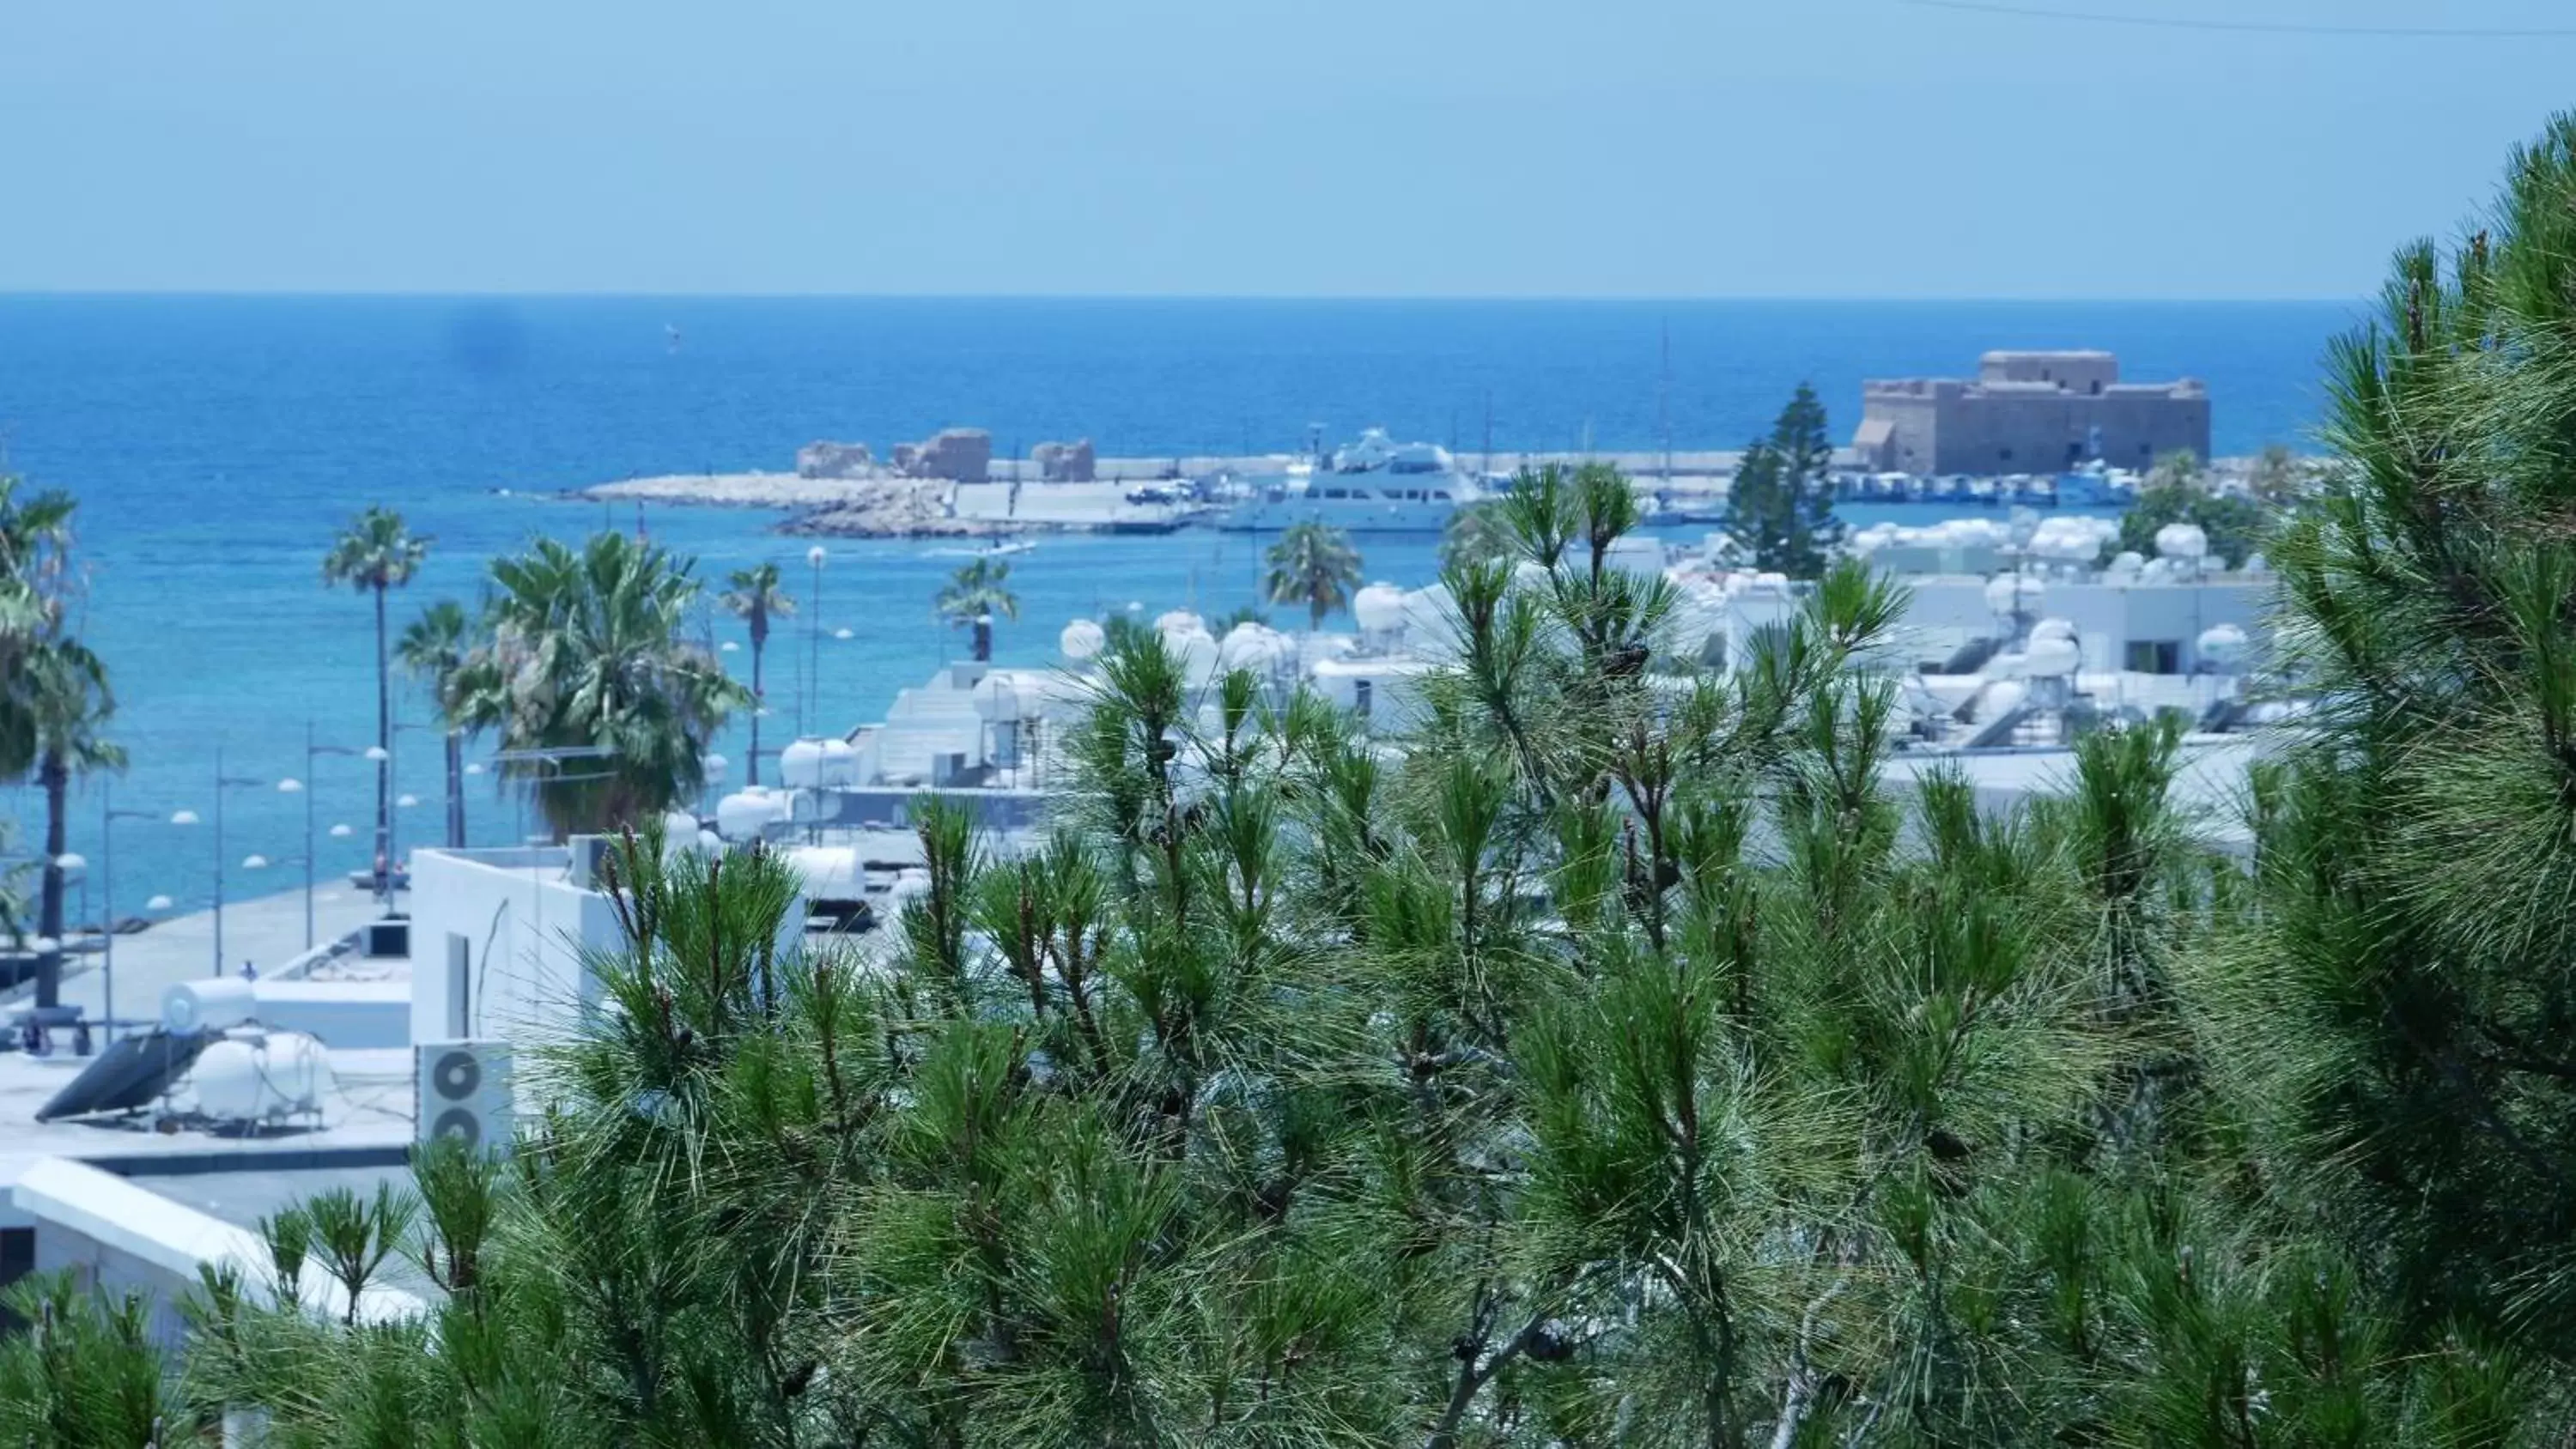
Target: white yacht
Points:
(1375, 485)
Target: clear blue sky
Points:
(1279, 147)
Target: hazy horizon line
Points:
(1552, 299)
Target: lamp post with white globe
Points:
(223, 782)
(313, 752)
(813, 642)
(108, 816)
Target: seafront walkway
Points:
(267, 931)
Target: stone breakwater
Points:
(892, 507)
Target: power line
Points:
(2256, 27)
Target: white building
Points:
(497, 938)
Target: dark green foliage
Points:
(1609, 1057)
(2177, 491)
(1312, 564)
(591, 649)
(1476, 533)
(1779, 509)
(80, 1372)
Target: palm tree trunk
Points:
(49, 916)
(455, 790)
(983, 641)
(384, 766)
(759, 700)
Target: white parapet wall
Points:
(120, 1238)
(497, 941)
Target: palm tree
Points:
(377, 553)
(35, 535)
(432, 649)
(64, 688)
(974, 595)
(588, 650)
(53, 691)
(1314, 565)
(755, 598)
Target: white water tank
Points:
(1194, 648)
(1379, 608)
(745, 814)
(1256, 647)
(2182, 541)
(800, 765)
(260, 1078)
(1082, 640)
(840, 765)
(2051, 658)
(2073, 538)
(2222, 645)
(209, 1004)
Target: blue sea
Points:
(217, 442)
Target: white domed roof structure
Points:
(840, 764)
(1257, 647)
(2223, 645)
(1082, 640)
(1379, 608)
(2182, 541)
(744, 814)
(2051, 657)
(800, 765)
(1195, 648)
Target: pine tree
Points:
(2399, 1005)
(1780, 505)
(1615, 1055)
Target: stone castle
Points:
(2028, 412)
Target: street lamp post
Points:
(813, 641)
(302, 787)
(108, 816)
(223, 782)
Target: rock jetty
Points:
(894, 508)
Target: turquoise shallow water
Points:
(217, 442)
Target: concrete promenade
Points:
(264, 930)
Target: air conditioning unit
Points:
(464, 1093)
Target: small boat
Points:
(1000, 548)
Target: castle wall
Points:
(2028, 413)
